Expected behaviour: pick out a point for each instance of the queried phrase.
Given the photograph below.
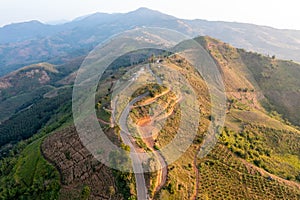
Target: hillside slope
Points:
(257, 153)
(256, 157)
(254, 75)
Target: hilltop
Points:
(254, 144)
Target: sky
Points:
(278, 13)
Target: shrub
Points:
(85, 193)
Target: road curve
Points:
(141, 188)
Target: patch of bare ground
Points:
(147, 128)
(78, 168)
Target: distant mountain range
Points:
(31, 42)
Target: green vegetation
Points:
(26, 123)
(125, 181)
(224, 176)
(153, 89)
(85, 193)
(29, 175)
(24, 108)
(276, 151)
(24, 172)
(12, 105)
(126, 184)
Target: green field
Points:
(29, 176)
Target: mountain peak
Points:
(146, 12)
(27, 23)
(143, 9)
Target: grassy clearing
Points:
(28, 163)
(32, 177)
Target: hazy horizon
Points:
(282, 15)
